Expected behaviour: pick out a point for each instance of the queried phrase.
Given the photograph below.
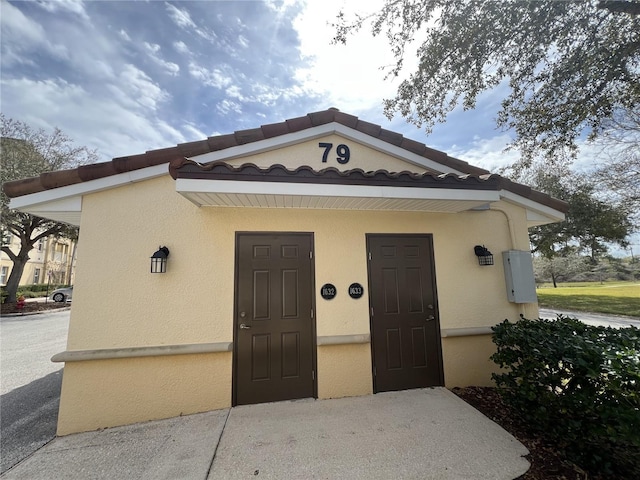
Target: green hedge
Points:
(31, 291)
(39, 288)
(579, 384)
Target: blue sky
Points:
(125, 77)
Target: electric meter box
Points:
(518, 274)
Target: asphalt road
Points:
(29, 382)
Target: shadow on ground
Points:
(29, 417)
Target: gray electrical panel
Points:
(518, 274)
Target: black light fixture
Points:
(485, 257)
(159, 260)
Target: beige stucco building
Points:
(51, 260)
(318, 257)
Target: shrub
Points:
(579, 384)
(40, 288)
(31, 291)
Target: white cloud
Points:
(349, 75)
(153, 49)
(242, 41)
(226, 107)
(182, 18)
(124, 35)
(234, 92)
(486, 153)
(96, 121)
(136, 87)
(170, 67)
(214, 78)
(21, 36)
(181, 47)
(72, 6)
(16, 25)
(192, 132)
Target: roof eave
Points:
(64, 204)
(537, 213)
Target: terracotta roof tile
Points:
(192, 149)
(345, 119)
(96, 170)
(222, 141)
(61, 178)
(369, 128)
(331, 175)
(390, 137)
(175, 155)
(18, 188)
(413, 146)
(299, 123)
(322, 117)
(249, 136)
(275, 129)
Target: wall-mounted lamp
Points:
(159, 260)
(485, 257)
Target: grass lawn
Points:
(618, 298)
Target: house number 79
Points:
(342, 150)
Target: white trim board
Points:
(234, 193)
(65, 203)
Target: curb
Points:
(30, 314)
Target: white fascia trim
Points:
(187, 185)
(552, 214)
(91, 186)
(288, 139)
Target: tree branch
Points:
(9, 253)
(620, 6)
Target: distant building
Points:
(51, 260)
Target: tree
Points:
(27, 153)
(570, 66)
(558, 267)
(590, 223)
(620, 176)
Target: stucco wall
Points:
(309, 153)
(107, 393)
(118, 303)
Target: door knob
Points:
(430, 318)
(244, 327)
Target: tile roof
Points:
(330, 175)
(178, 155)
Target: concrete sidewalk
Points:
(425, 434)
(597, 319)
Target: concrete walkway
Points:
(421, 434)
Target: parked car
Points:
(62, 294)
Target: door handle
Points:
(430, 318)
(244, 327)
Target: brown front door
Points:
(274, 326)
(405, 328)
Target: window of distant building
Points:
(6, 239)
(36, 275)
(4, 273)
